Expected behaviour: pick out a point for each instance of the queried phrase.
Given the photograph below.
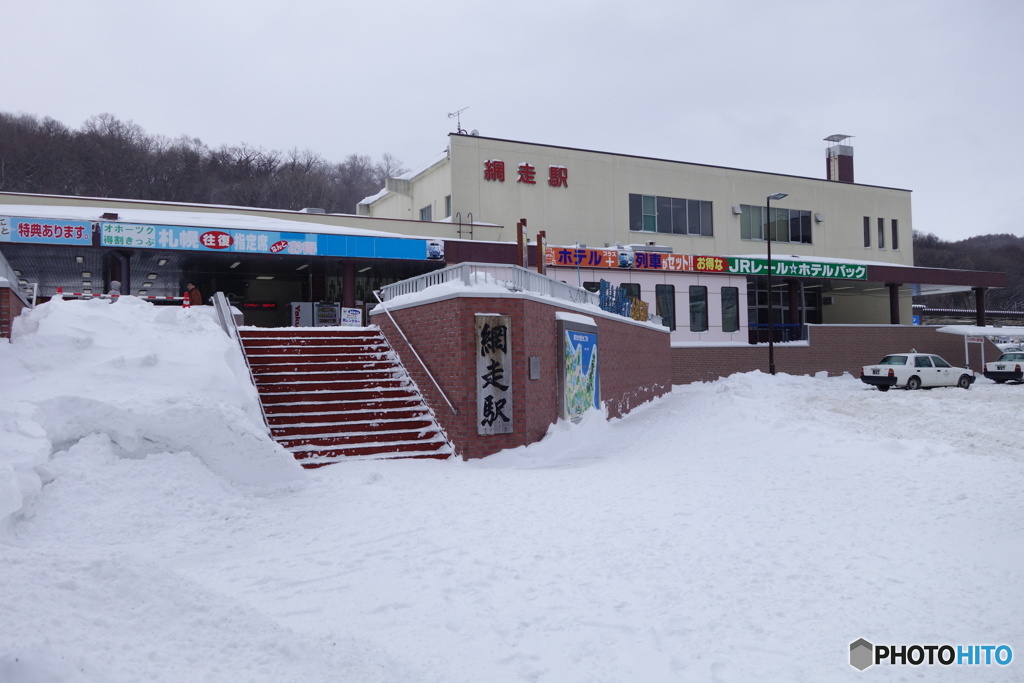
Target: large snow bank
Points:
(149, 379)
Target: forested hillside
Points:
(108, 157)
(1001, 253)
(112, 158)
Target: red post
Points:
(542, 244)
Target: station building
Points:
(689, 242)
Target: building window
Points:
(670, 215)
(881, 233)
(867, 232)
(784, 225)
(730, 309)
(895, 235)
(665, 304)
(632, 289)
(448, 206)
(698, 309)
(425, 213)
(752, 222)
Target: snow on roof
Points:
(820, 259)
(986, 331)
(229, 221)
(426, 166)
(374, 197)
(408, 175)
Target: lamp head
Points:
(777, 195)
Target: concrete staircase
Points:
(332, 394)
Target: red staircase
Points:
(336, 393)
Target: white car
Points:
(1006, 368)
(915, 371)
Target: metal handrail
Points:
(513, 278)
(22, 292)
(423, 365)
(227, 322)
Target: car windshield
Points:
(940, 363)
(1010, 356)
(894, 360)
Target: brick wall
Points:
(11, 307)
(635, 365)
(834, 349)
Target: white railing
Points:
(415, 353)
(513, 278)
(226, 318)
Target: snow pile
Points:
(746, 529)
(141, 379)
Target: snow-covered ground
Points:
(745, 529)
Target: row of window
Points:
(670, 215)
(881, 233)
(781, 225)
(665, 304)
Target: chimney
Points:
(839, 159)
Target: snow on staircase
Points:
(336, 393)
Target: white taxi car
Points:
(1006, 368)
(915, 371)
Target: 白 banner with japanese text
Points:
(493, 374)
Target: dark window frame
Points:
(730, 309)
(698, 296)
(665, 305)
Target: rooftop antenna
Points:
(458, 121)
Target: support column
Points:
(894, 302)
(348, 284)
(120, 270)
(979, 305)
(795, 301)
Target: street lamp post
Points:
(771, 308)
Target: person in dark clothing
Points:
(195, 298)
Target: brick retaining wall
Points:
(634, 363)
(11, 307)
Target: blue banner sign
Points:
(139, 236)
(45, 231)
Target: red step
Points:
(336, 393)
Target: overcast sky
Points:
(931, 89)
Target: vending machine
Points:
(315, 314)
(328, 314)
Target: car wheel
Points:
(999, 381)
(882, 387)
(964, 382)
(914, 383)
